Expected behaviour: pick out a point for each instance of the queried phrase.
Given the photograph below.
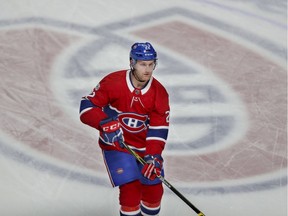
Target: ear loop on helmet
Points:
(156, 62)
(132, 63)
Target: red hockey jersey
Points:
(142, 113)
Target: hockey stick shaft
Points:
(143, 162)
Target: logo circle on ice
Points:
(216, 153)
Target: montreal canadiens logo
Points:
(132, 122)
(230, 132)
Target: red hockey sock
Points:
(151, 199)
(150, 209)
(130, 194)
(130, 211)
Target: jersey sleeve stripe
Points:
(156, 138)
(85, 110)
(159, 127)
(157, 134)
(85, 105)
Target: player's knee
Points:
(152, 193)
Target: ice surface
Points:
(224, 64)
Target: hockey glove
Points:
(112, 132)
(153, 166)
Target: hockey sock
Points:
(148, 209)
(130, 195)
(130, 211)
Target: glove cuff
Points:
(151, 158)
(110, 125)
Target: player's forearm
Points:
(93, 117)
(154, 147)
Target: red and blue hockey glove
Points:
(153, 166)
(112, 132)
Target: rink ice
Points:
(223, 63)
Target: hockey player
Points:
(131, 106)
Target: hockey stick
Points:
(143, 162)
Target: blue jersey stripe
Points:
(159, 133)
(85, 105)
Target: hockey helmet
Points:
(143, 52)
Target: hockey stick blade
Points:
(143, 162)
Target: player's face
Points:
(144, 69)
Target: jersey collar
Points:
(132, 88)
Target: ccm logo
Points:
(111, 127)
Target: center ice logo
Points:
(210, 98)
